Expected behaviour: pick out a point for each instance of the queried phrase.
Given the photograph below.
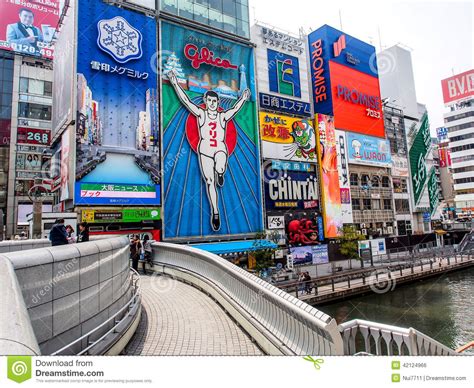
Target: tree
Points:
(263, 255)
(350, 242)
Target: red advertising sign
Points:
(28, 26)
(458, 87)
(356, 101)
(34, 136)
(444, 158)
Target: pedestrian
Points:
(83, 235)
(135, 249)
(58, 234)
(307, 279)
(23, 236)
(148, 251)
(301, 281)
(70, 233)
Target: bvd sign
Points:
(459, 87)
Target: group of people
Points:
(305, 280)
(61, 234)
(141, 251)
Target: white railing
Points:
(366, 337)
(277, 321)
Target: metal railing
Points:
(291, 326)
(361, 336)
(126, 314)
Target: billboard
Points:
(304, 228)
(368, 150)
(287, 138)
(433, 191)
(210, 147)
(444, 157)
(344, 184)
(417, 156)
(94, 216)
(117, 138)
(28, 27)
(64, 86)
(330, 189)
(34, 136)
(290, 190)
(282, 71)
(344, 81)
(357, 105)
(314, 254)
(458, 88)
(399, 166)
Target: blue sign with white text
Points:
(284, 105)
(368, 150)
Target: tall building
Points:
(458, 93)
(397, 85)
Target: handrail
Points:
(296, 327)
(465, 347)
(88, 334)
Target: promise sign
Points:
(418, 152)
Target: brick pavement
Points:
(177, 319)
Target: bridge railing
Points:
(366, 337)
(277, 321)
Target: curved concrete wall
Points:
(69, 290)
(22, 245)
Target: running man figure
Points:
(212, 149)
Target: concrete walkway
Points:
(177, 319)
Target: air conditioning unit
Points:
(362, 225)
(364, 231)
(390, 229)
(358, 232)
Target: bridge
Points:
(83, 299)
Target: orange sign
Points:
(356, 101)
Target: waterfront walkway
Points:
(379, 280)
(178, 319)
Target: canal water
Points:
(442, 308)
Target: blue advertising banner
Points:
(368, 150)
(290, 190)
(117, 152)
(329, 44)
(291, 166)
(313, 254)
(210, 137)
(284, 105)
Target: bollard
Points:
(349, 282)
(332, 283)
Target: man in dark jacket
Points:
(83, 235)
(58, 234)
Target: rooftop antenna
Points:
(340, 19)
(380, 38)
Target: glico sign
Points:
(344, 81)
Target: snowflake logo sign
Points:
(119, 39)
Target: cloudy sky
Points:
(439, 33)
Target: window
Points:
(376, 204)
(355, 204)
(399, 185)
(34, 111)
(354, 179)
(35, 86)
(375, 181)
(48, 88)
(385, 181)
(365, 180)
(402, 206)
(367, 204)
(387, 204)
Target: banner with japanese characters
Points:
(117, 137)
(287, 138)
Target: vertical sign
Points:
(417, 154)
(330, 190)
(344, 184)
(433, 191)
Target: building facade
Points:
(459, 121)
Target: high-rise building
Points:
(458, 93)
(397, 85)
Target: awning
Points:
(228, 247)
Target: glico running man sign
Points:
(210, 138)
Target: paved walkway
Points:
(177, 319)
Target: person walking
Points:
(135, 249)
(148, 251)
(83, 235)
(307, 285)
(58, 234)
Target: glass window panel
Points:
(35, 86)
(48, 88)
(24, 85)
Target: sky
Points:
(438, 33)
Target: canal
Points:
(442, 308)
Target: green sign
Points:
(433, 191)
(19, 368)
(125, 215)
(418, 151)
